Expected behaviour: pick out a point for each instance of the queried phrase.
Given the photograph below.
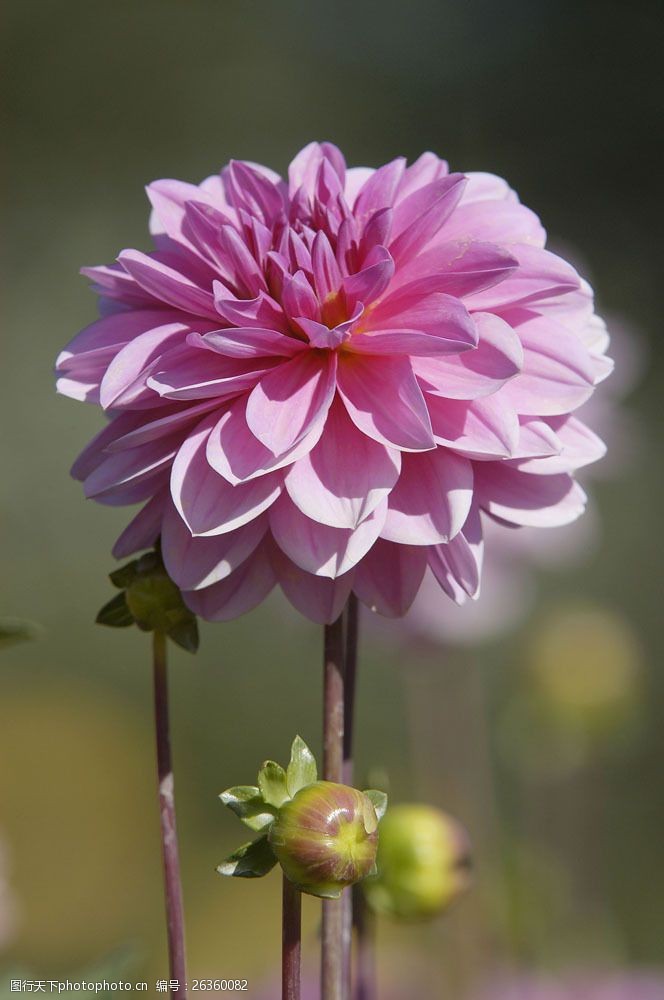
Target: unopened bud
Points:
(326, 838)
(423, 863)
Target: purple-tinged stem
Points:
(365, 930)
(169, 839)
(291, 938)
(350, 684)
(332, 955)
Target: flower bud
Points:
(151, 600)
(325, 838)
(423, 863)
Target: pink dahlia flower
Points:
(328, 382)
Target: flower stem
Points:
(290, 941)
(169, 840)
(332, 956)
(365, 929)
(350, 679)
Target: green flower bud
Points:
(150, 600)
(325, 838)
(423, 863)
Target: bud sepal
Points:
(150, 600)
(323, 834)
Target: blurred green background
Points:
(564, 805)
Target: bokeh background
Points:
(544, 738)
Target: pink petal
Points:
(239, 456)
(95, 451)
(477, 428)
(379, 189)
(101, 340)
(168, 199)
(159, 423)
(580, 447)
(246, 274)
(472, 374)
(345, 476)
(239, 593)
(327, 276)
(460, 267)
(126, 376)
(194, 562)
(298, 297)
(113, 283)
(129, 468)
(459, 563)
(541, 275)
(255, 192)
(292, 400)
(384, 400)
(376, 234)
(135, 491)
(318, 548)
(356, 178)
(189, 373)
(318, 598)
(504, 222)
(167, 284)
(536, 439)
(430, 503)
(247, 342)
(419, 216)
(557, 371)
(262, 311)
(366, 285)
(483, 186)
(521, 498)
(143, 530)
(388, 578)
(409, 323)
(206, 502)
(426, 169)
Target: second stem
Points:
(340, 654)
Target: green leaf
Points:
(272, 784)
(378, 800)
(124, 575)
(116, 613)
(252, 860)
(302, 769)
(248, 804)
(13, 630)
(185, 633)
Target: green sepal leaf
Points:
(252, 860)
(248, 804)
(13, 630)
(116, 613)
(378, 801)
(124, 575)
(302, 768)
(185, 633)
(272, 784)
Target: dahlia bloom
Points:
(329, 382)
